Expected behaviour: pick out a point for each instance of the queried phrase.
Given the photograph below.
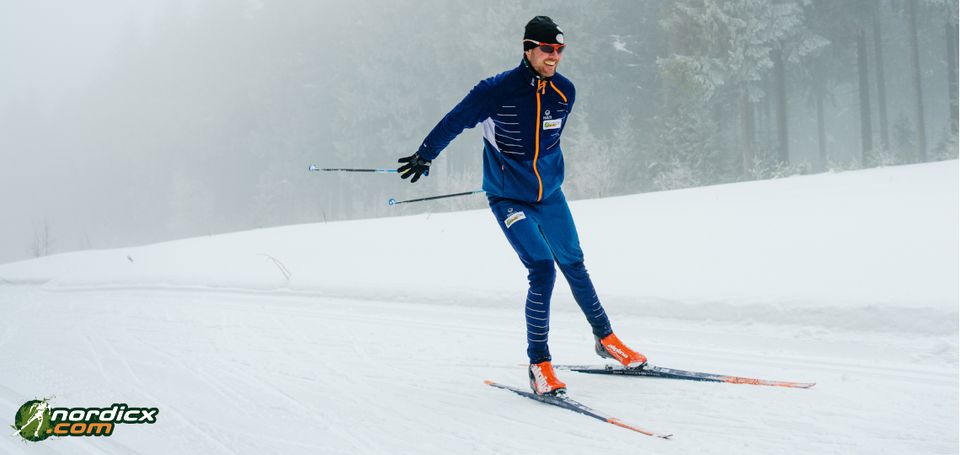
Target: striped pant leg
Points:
(586, 297)
(541, 276)
(562, 238)
(518, 221)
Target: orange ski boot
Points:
(612, 348)
(544, 381)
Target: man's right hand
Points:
(415, 166)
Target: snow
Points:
(375, 336)
(620, 45)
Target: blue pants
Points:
(541, 234)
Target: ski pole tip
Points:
(313, 167)
(392, 201)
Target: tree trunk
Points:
(821, 132)
(766, 126)
(917, 85)
(866, 129)
(746, 132)
(952, 74)
(781, 91)
(881, 83)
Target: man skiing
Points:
(523, 112)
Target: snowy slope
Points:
(338, 338)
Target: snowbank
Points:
(879, 244)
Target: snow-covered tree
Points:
(721, 52)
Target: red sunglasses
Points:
(548, 48)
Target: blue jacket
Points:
(523, 116)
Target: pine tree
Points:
(721, 53)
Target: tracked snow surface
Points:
(375, 336)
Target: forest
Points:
(206, 116)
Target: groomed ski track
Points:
(339, 339)
(261, 372)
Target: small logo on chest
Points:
(552, 124)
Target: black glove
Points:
(415, 166)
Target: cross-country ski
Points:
(562, 401)
(654, 371)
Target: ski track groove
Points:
(95, 357)
(293, 334)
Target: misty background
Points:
(124, 123)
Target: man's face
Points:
(545, 64)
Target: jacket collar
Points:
(528, 67)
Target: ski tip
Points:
(622, 424)
(488, 382)
(755, 381)
(792, 385)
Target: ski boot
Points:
(611, 347)
(544, 381)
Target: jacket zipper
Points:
(541, 85)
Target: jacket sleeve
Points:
(473, 109)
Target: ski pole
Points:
(315, 168)
(393, 201)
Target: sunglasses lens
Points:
(547, 49)
(560, 49)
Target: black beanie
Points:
(542, 29)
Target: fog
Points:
(124, 123)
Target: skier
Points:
(523, 112)
(39, 412)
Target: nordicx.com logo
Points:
(36, 420)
